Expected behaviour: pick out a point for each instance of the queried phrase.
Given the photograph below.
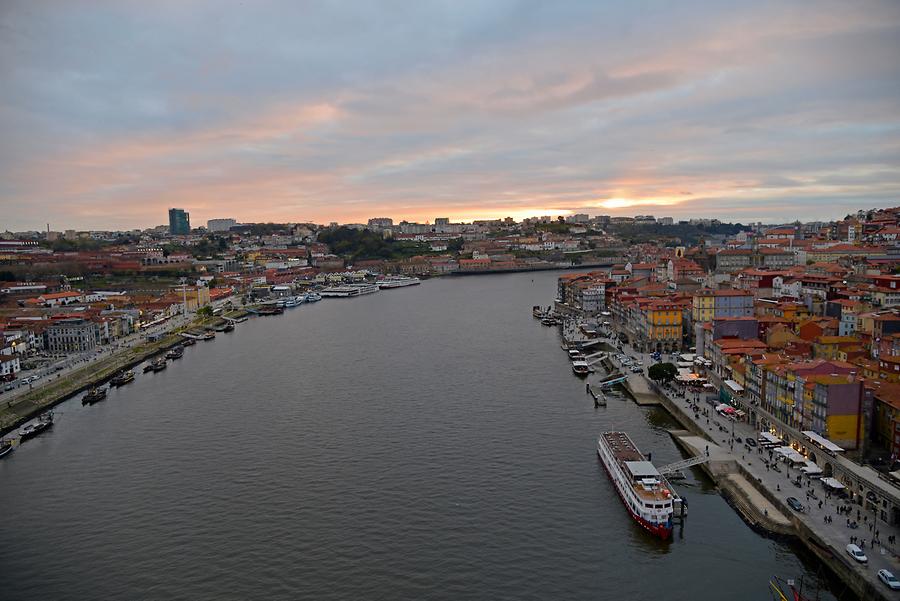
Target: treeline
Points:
(688, 234)
(366, 244)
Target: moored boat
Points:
(646, 494)
(313, 297)
(188, 342)
(94, 395)
(270, 309)
(6, 447)
(176, 352)
(158, 364)
(45, 422)
(398, 281)
(229, 327)
(350, 290)
(293, 301)
(122, 378)
(581, 368)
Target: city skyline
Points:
(114, 113)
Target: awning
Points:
(790, 454)
(832, 483)
(811, 469)
(822, 442)
(766, 436)
(734, 386)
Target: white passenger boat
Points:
(397, 281)
(350, 290)
(646, 494)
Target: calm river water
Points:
(422, 443)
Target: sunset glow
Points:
(287, 112)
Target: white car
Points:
(856, 553)
(886, 577)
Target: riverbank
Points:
(50, 393)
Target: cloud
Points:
(113, 112)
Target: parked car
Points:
(856, 553)
(888, 578)
(637, 369)
(751, 442)
(795, 504)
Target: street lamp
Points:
(184, 297)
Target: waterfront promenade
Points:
(827, 539)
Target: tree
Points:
(205, 311)
(662, 372)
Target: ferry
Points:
(397, 281)
(93, 396)
(313, 297)
(6, 447)
(350, 290)
(45, 422)
(123, 377)
(647, 495)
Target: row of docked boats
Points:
(548, 316)
(99, 393)
(363, 288)
(289, 302)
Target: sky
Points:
(113, 112)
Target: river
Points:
(428, 442)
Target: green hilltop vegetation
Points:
(366, 244)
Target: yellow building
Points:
(703, 307)
(663, 325)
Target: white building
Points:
(220, 225)
(9, 365)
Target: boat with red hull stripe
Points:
(646, 494)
